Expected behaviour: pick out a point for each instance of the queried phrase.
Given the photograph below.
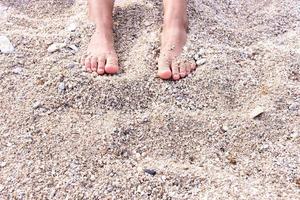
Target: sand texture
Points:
(229, 131)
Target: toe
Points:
(175, 70)
(87, 64)
(188, 68)
(182, 70)
(101, 66)
(164, 71)
(94, 63)
(112, 66)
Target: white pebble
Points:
(17, 70)
(196, 57)
(55, 47)
(147, 23)
(201, 61)
(201, 52)
(225, 128)
(256, 112)
(61, 87)
(5, 45)
(72, 27)
(73, 47)
(36, 105)
(294, 106)
(2, 164)
(294, 134)
(3, 10)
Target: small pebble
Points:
(294, 134)
(256, 112)
(36, 105)
(197, 57)
(5, 45)
(294, 106)
(145, 118)
(224, 128)
(201, 52)
(94, 74)
(201, 61)
(264, 147)
(55, 47)
(73, 47)
(93, 178)
(147, 23)
(71, 65)
(3, 9)
(72, 27)
(152, 172)
(2, 164)
(232, 160)
(17, 70)
(61, 87)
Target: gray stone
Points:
(152, 172)
(71, 65)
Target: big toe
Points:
(112, 69)
(164, 71)
(165, 74)
(112, 66)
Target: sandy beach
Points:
(231, 130)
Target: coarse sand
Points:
(231, 130)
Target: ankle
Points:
(106, 35)
(176, 22)
(175, 25)
(104, 26)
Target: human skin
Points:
(101, 56)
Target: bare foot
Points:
(173, 40)
(101, 56)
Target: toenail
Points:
(176, 77)
(100, 71)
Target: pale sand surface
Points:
(66, 134)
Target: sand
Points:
(229, 131)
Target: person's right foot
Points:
(101, 56)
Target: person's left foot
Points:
(172, 42)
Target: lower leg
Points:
(175, 13)
(100, 12)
